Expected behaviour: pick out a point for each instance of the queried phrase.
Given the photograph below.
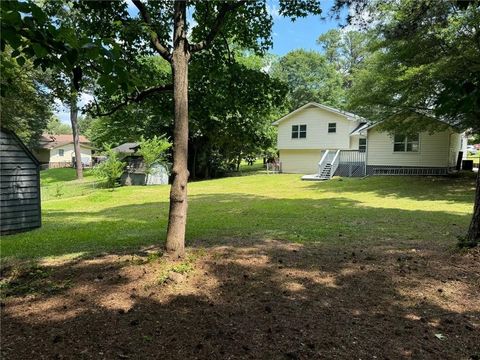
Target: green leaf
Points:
(40, 51)
(20, 60)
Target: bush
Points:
(153, 151)
(110, 170)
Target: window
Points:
(299, 131)
(402, 143)
(61, 152)
(332, 127)
(362, 145)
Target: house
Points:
(323, 141)
(20, 185)
(54, 151)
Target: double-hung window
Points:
(362, 145)
(404, 143)
(61, 152)
(299, 131)
(332, 128)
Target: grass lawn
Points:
(276, 268)
(282, 207)
(62, 183)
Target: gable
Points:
(316, 120)
(11, 142)
(325, 108)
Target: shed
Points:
(134, 173)
(20, 185)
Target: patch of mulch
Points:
(269, 300)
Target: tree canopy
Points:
(310, 77)
(425, 65)
(25, 105)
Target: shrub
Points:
(153, 151)
(110, 170)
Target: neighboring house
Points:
(20, 184)
(57, 150)
(320, 140)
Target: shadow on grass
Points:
(455, 188)
(267, 301)
(216, 218)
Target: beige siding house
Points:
(57, 151)
(316, 139)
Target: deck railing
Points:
(351, 163)
(323, 161)
(335, 163)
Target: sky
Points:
(287, 36)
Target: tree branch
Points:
(134, 98)
(161, 49)
(217, 25)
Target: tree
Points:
(153, 151)
(426, 66)
(56, 127)
(25, 106)
(67, 82)
(345, 50)
(309, 77)
(246, 23)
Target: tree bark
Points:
(76, 135)
(473, 235)
(177, 218)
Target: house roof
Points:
(127, 148)
(48, 141)
(362, 126)
(347, 115)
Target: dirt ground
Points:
(247, 300)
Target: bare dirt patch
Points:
(269, 300)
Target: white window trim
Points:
(365, 146)
(406, 142)
(298, 138)
(328, 128)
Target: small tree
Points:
(153, 152)
(109, 170)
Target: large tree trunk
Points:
(473, 236)
(76, 139)
(177, 217)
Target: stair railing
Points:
(323, 162)
(335, 162)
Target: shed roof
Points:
(128, 148)
(347, 115)
(21, 144)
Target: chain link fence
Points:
(63, 190)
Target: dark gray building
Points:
(19, 184)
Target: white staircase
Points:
(326, 172)
(326, 167)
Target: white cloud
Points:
(63, 112)
(273, 10)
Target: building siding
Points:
(300, 161)
(455, 147)
(318, 137)
(69, 154)
(434, 150)
(20, 186)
